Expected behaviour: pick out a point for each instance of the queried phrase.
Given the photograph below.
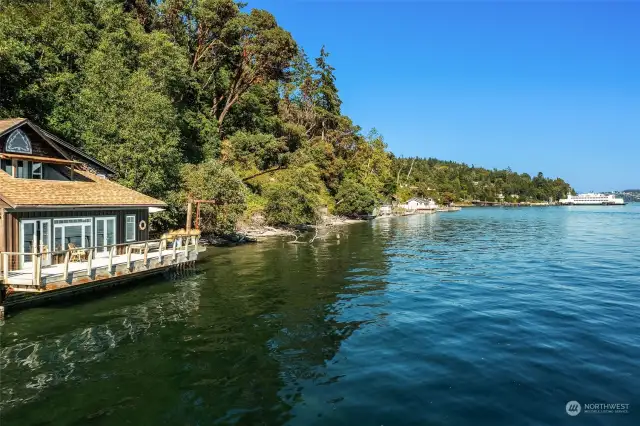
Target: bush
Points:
(354, 198)
(295, 198)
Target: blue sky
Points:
(535, 86)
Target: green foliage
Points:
(212, 181)
(354, 198)
(254, 151)
(446, 180)
(125, 121)
(295, 198)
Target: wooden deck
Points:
(42, 284)
(53, 276)
(134, 258)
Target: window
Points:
(72, 231)
(23, 169)
(18, 142)
(131, 228)
(7, 167)
(36, 171)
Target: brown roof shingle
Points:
(9, 123)
(48, 193)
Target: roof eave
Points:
(84, 206)
(6, 201)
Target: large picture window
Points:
(131, 228)
(75, 231)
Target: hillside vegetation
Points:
(208, 99)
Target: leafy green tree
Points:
(251, 152)
(354, 198)
(123, 120)
(295, 198)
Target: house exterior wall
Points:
(11, 224)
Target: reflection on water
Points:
(54, 359)
(477, 317)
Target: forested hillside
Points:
(210, 99)
(450, 181)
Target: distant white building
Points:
(385, 210)
(419, 204)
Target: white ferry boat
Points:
(592, 199)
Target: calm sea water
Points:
(487, 316)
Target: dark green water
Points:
(486, 316)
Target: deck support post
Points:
(175, 248)
(89, 262)
(196, 244)
(65, 270)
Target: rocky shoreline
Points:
(256, 233)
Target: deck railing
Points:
(149, 249)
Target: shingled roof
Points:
(93, 191)
(10, 123)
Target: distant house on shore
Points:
(419, 204)
(385, 210)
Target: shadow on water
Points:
(229, 344)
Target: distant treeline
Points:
(630, 195)
(208, 99)
(449, 181)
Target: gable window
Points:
(18, 142)
(130, 229)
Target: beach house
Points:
(54, 197)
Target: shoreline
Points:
(255, 234)
(259, 232)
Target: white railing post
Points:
(186, 247)
(195, 239)
(89, 262)
(65, 270)
(36, 278)
(5, 266)
(175, 249)
(110, 263)
(160, 252)
(129, 257)
(146, 253)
